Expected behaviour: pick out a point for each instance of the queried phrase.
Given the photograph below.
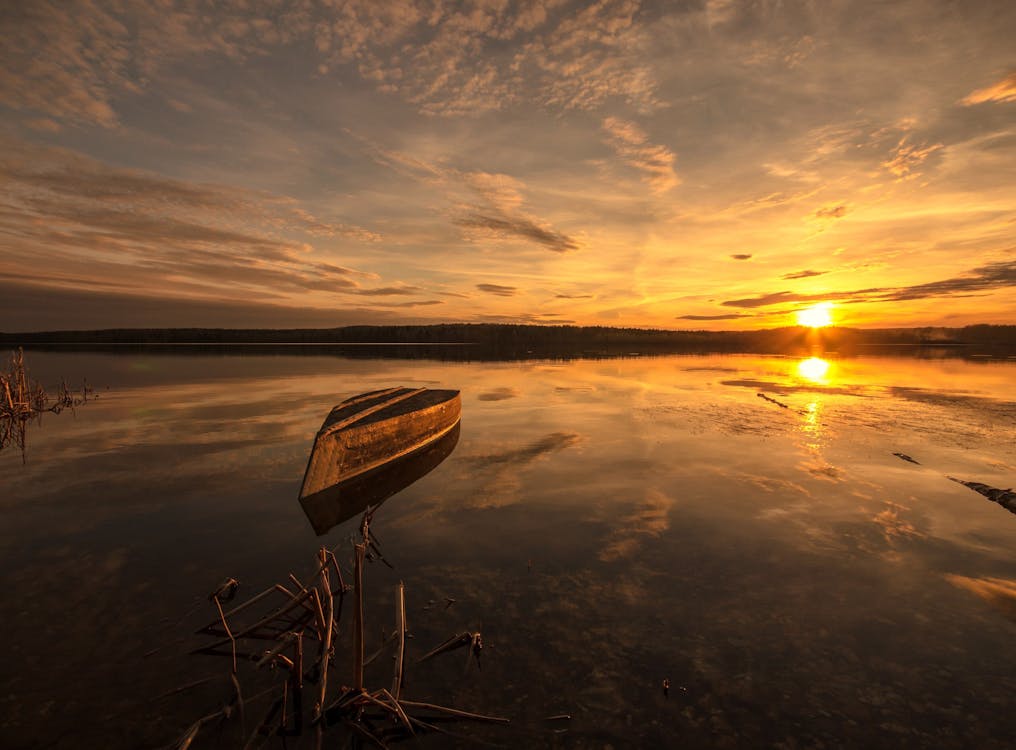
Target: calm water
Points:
(606, 524)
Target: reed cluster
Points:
(23, 400)
(292, 630)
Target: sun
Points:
(816, 316)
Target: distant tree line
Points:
(501, 341)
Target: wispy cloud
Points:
(907, 157)
(72, 60)
(655, 162)
(1003, 91)
(498, 289)
(506, 227)
(409, 304)
(494, 206)
(388, 291)
(803, 274)
(831, 212)
(998, 275)
(104, 308)
(993, 276)
(105, 223)
(724, 316)
(470, 58)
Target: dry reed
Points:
(23, 400)
(311, 613)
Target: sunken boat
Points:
(373, 429)
(339, 502)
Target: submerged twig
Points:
(456, 712)
(400, 617)
(326, 641)
(225, 625)
(772, 400)
(455, 642)
(905, 457)
(358, 616)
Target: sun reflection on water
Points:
(817, 371)
(813, 369)
(812, 427)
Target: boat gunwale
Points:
(392, 456)
(352, 424)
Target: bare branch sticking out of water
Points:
(472, 639)
(1005, 498)
(772, 400)
(905, 457)
(400, 615)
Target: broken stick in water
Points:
(1005, 498)
(359, 551)
(400, 616)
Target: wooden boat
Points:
(369, 430)
(338, 503)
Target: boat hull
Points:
(339, 502)
(367, 431)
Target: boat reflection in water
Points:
(332, 505)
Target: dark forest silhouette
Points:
(500, 341)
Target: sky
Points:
(706, 164)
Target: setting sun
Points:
(816, 316)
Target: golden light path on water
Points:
(814, 370)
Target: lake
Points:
(606, 524)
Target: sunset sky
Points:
(701, 164)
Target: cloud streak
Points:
(631, 144)
(722, 316)
(100, 224)
(831, 212)
(989, 277)
(1003, 91)
(906, 158)
(507, 227)
(803, 274)
(498, 289)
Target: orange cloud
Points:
(498, 289)
(906, 158)
(1003, 91)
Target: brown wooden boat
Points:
(369, 430)
(339, 502)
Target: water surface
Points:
(607, 524)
